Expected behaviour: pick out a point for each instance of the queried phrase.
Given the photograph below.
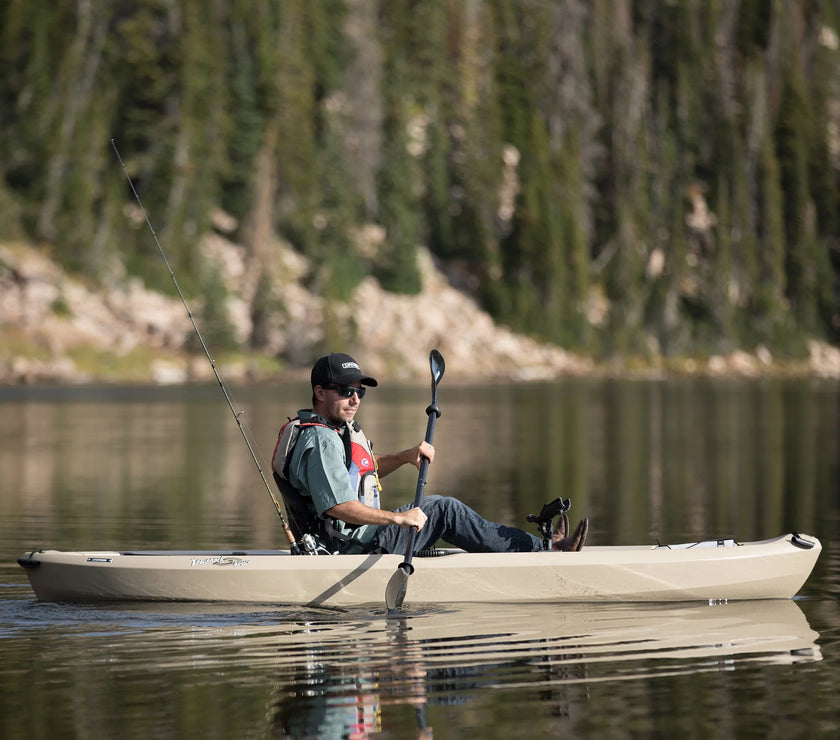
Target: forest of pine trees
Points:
(616, 176)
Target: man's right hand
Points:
(414, 517)
(355, 512)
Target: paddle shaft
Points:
(398, 583)
(434, 412)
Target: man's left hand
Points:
(424, 449)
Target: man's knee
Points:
(436, 501)
(445, 509)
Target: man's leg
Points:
(454, 522)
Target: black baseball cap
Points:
(339, 369)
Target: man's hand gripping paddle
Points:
(397, 586)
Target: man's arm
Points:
(355, 512)
(388, 463)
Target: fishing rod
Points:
(289, 536)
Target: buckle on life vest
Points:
(546, 516)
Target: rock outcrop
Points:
(48, 317)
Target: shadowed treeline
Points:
(617, 177)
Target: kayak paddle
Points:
(395, 591)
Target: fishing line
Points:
(293, 545)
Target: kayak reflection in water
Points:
(330, 479)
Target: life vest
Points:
(358, 457)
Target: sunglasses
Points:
(347, 391)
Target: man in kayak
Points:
(326, 461)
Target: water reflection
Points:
(330, 673)
(450, 656)
(166, 468)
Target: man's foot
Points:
(574, 541)
(561, 529)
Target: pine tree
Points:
(770, 305)
(396, 265)
(398, 183)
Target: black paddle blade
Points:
(438, 366)
(397, 586)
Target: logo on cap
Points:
(345, 365)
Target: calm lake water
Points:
(117, 467)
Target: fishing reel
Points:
(546, 516)
(308, 545)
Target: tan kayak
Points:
(713, 570)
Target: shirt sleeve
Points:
(318, 469)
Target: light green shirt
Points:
(318, 470)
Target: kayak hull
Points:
(706, 571)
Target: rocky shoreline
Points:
(56, 329)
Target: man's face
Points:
(332, 405)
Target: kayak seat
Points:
(302, 520)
